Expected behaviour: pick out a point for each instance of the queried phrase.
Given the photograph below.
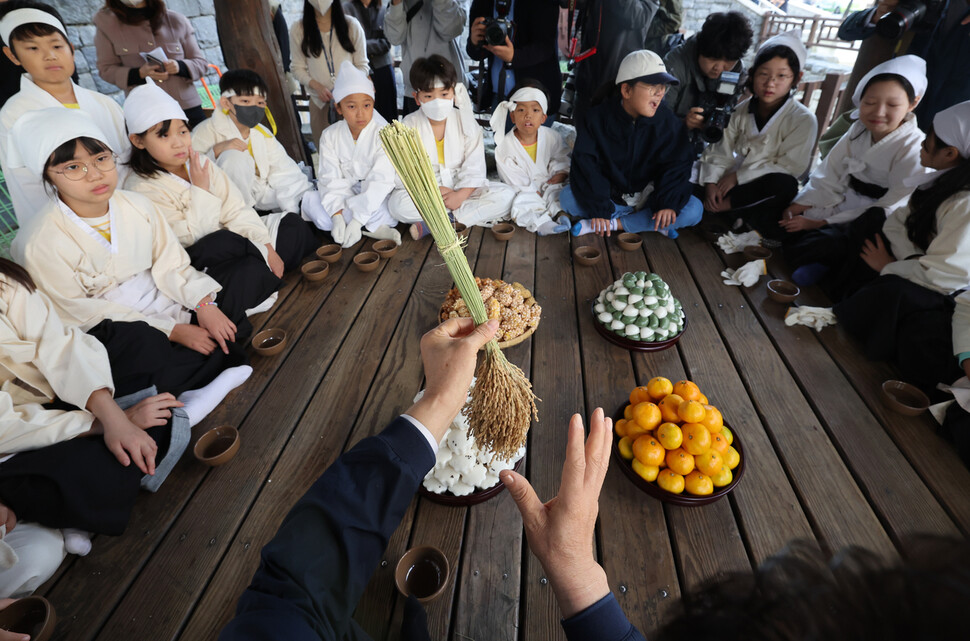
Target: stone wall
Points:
(696, 11)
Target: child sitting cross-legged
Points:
(456, 147)
(531, 158)
(355, 176)
(632, 160)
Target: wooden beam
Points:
(249, 42)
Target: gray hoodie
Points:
(434, 29)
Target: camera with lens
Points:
(920, 15)
(497, 29)
(719, 104)
(568, 95)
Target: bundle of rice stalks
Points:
(502, 403)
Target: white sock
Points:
(338, 229)
(385, 232)
(553, 226)
(76, 541)
(265, 306)
(200, 402)
(352, 234)
(312, 210)
(586, 227)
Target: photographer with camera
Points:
(709, 68)
(515, 46)
(772, 135)
(940, 35)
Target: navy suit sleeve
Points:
(590, 184)
(315, 569)
(856, 25)
(602, 621)
(672, 188)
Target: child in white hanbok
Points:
(533, 159)
(355, 176)
(456, 148)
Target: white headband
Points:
(229, 93)
(20, 17)
(35, 135)
(438, 83)
(147, 105)
(912, 68)
(526, 94)
(952, 126)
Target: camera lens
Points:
(495, 32)
(712, 134)
(897, 22)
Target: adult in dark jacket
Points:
(370, 15)
(944, 45)
(632, 160)
(529, 52)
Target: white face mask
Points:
(132, 3)
(437, 109)
(322, 6)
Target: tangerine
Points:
(626, 447)
(671, 481)
(691, 412)
(687, 390)
(634, 429)
(648, 472)
(728, 434)
(620, 427)
(697, 439)
(719, 443)
(723, 477)
(628, 412)
(639, 395)
(670, 435)
(668, 407)
(710, 462)
(680, 461)
(699, 484)
(703, 399)
(648, 451)
(713, 420)
(647, 415)
(659, 387)
(732, 458)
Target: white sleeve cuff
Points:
(425, 432)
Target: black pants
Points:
(761, 202)
(385, 92)
(295, 240)
(75, 484)
(899, 321)
(236, 264)
(142, 356)
(956, 429)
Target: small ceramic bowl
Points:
(385, 248)
(33, 615)
(217, 446)
(904, 398)
(782, 290)
(269, 342)
(629, 242)
(587, 255)
(330, 253)
(757, 252)
(503, 231)
(367, 261)
(461, 229)
(423, 572)
(315, 270)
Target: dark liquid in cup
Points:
(272, 341)
(218, 446)
(423, 578)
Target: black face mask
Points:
(249, 116)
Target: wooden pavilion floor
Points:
(825, 461)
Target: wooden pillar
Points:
(249, 42)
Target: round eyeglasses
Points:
(76, 170)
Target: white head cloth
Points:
(912, 68)
(464, 103)
(526, 94)
(791, 39)
(952, 126)
(147, 105)
(19, 17)
(351, 80)
(35, 135)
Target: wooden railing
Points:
(816, 31)
(831, 88)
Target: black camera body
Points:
(918, 15)
(719, 104)
(497, 29)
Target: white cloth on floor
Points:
(731, 243)
(536, 201)
(747, 274)
(39, 550)
(814, 317)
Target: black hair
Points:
(769, 54)
(13, 271)
(32, 29)
(801, 594)
(312, 44)
(425, 70)
(65, 152)
(725, 36)
(892, 77)
(142, 162)
(244, 82)
(152, 11)
(921, 222)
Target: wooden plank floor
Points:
(825, 461)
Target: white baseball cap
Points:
(644, 66)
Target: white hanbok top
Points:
(516, 167)
(275, 171)
(26, 188)
(783, 146)
(82, 273)
(41, 359)
(464, 151)
(887, 163)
